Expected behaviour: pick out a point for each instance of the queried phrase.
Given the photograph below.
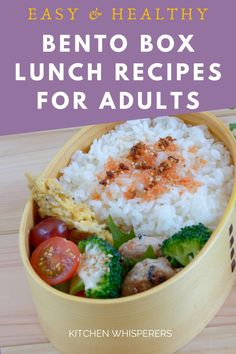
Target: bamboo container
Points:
(183, 305)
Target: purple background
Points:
(21, 41)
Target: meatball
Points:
(135, 248)
(147, 274)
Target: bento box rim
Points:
(154, 290)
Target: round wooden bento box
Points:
(182, 305)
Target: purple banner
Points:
(169, 56)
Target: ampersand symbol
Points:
(94, 14)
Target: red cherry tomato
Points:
(56, 260)
(81, 294)
(46, 229)
(77, 236)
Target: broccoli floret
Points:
(183, 246)
(101, 269)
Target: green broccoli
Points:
(183, 246)
(101, 269)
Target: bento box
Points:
(160, 320)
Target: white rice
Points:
(167, 214)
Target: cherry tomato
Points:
(77, 236)
(81, 294)
(46, 229)
(56, 260)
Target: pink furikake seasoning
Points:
(149, 178)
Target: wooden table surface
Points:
(20, 332)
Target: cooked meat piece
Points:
(147, 274)
(136, 247)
